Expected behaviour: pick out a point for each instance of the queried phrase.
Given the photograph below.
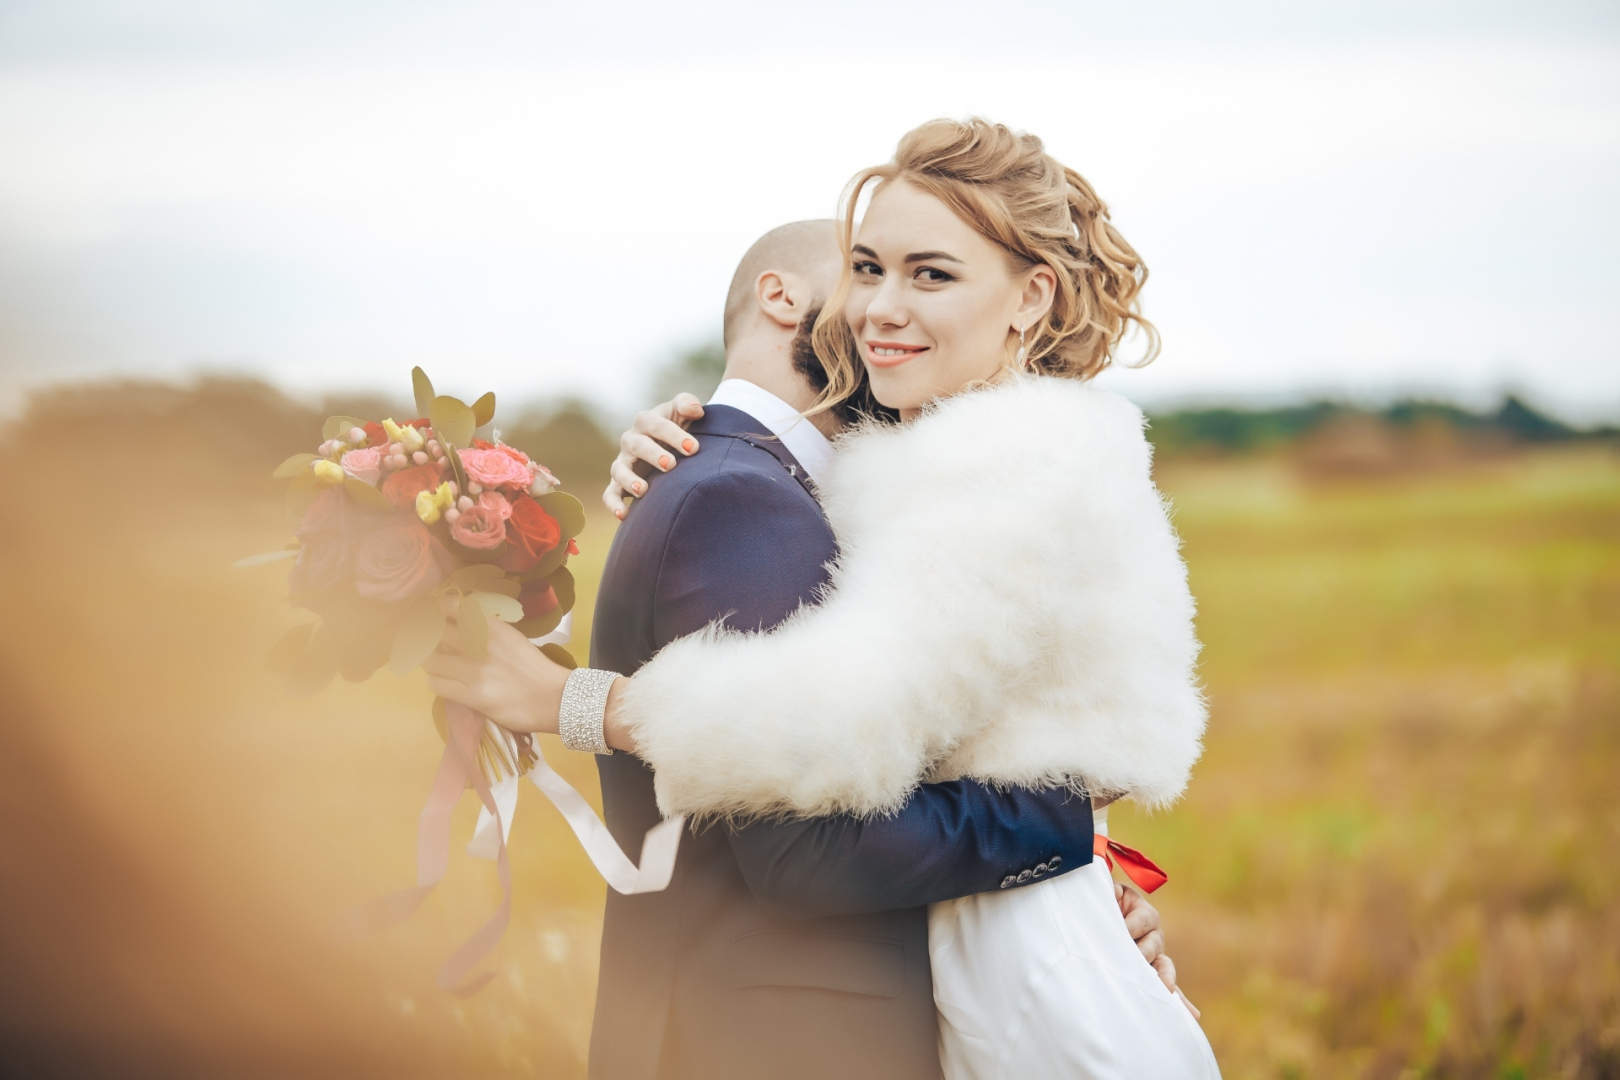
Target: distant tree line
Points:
(1229, 430)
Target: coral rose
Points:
(493, 468)
(478, 527)
(401, 487)
(365, 464)
(530, 533)
(398, 561)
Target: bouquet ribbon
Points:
(1138, 867)
(457, 769)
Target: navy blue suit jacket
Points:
(796, 949)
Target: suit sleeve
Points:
(742, 544)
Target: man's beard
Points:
(858, 406)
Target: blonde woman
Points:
(1008, 602)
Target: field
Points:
(1400, 856)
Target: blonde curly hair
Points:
(1006, 186)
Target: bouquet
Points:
(397, 525)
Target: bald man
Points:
(787, 949)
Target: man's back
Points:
(701, 980)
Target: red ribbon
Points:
(1135, 865)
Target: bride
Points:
(1008, 603)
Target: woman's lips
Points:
(887, 354)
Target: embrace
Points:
(903, 621)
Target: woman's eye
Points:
(928, 275)
(869, 269)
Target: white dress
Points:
(1044, 980)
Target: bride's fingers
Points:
(657, 424)
(1151, 945)
(451, 690)
(626, 478)
(635, 446)
(1190, 1006)
(449, 666)
(1166, 968)
(686, 406)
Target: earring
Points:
(1022, 351)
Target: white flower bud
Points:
(451, 514)
(474, 487)
(357, 435)
(420, 458)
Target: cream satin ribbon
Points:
(458, 769)
(658, 847)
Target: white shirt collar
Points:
(802, 438)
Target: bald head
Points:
(807, 249)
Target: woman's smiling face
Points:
(932, 303)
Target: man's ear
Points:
(781, 298)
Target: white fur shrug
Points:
(1008, 604)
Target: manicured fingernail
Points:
(639, 487)
(689, 446)
(666, 463)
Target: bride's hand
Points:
(517, 685)
(1142, 921)
(652, 430)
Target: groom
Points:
(789, 949)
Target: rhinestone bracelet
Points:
(583, 713)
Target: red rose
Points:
(401, 487)
(376, 434)
(530, 533)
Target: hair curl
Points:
(1007, 187)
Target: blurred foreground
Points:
(1400, 855)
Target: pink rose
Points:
(479, 527)
(494, 500)
(398, 561)
(365, 464)
(494, 468)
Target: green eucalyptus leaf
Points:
(502, 585)
(335, 426)
(289, 648)
(562, 583)
(505, 608)
(422, 387)
(293, 466)
(419, 634)
(470, 577)
(541, 625)
(364, 494)
(458, 471)
(453, 421)
(484, 409)
(474, 626)
(569, 512)
(559, 655)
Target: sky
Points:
(1335, 198)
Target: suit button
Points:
(1025, 875)
(1054, 862)
(1009, 881)
(1040, 869)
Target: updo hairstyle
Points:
(1016, 195)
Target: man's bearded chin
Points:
(858, 406)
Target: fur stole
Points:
(1009, 604)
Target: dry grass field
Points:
(1400, 856)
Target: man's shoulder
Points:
(728, 476)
